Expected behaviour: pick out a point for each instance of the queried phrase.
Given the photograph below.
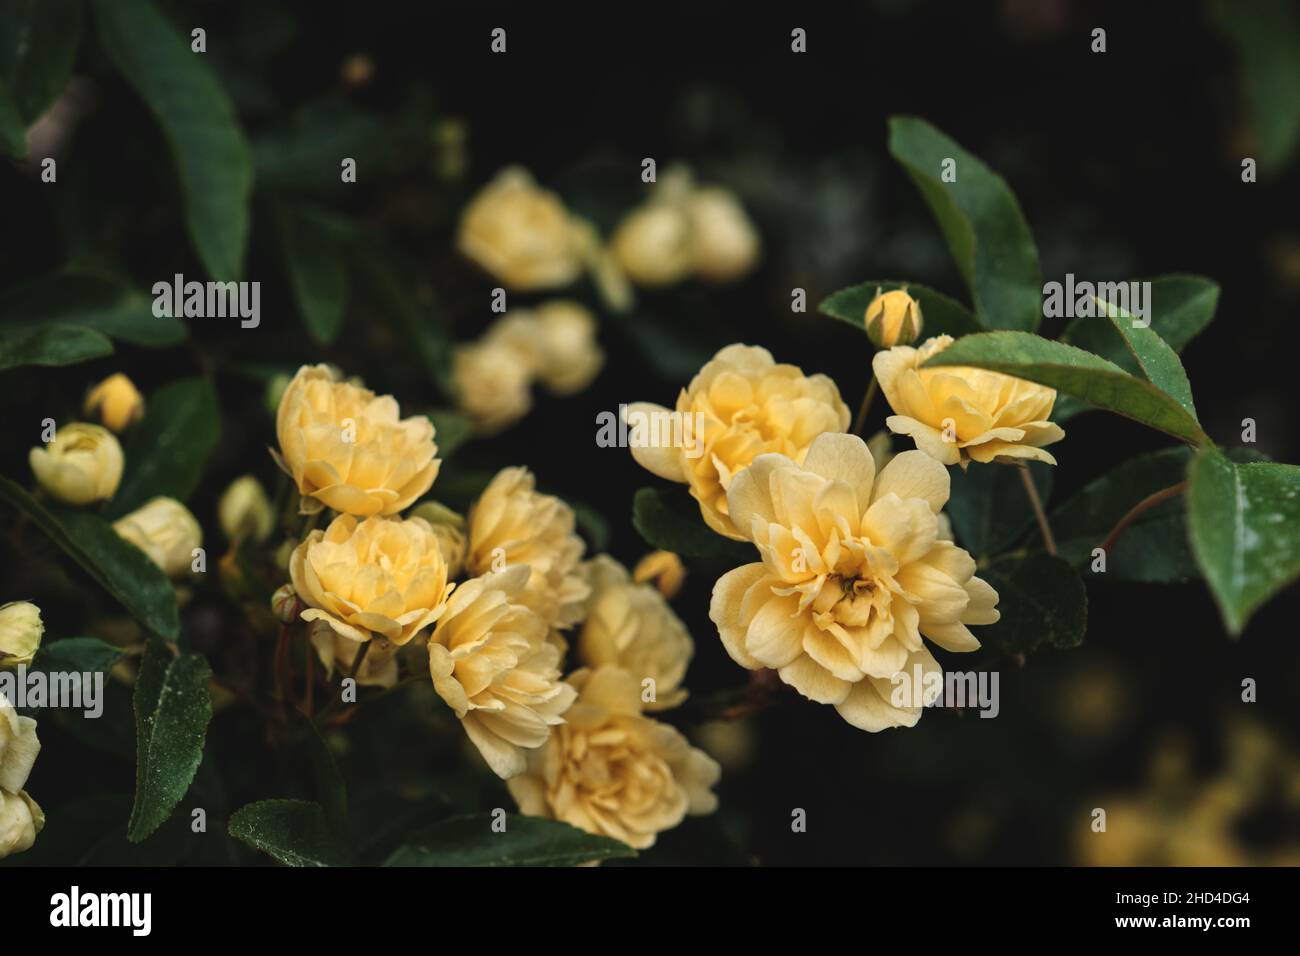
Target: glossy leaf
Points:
(989, 507)
(669, 519)
(1075, 372)
(981, 221)
(294, 832)
(120, 568)
(317, 261)
(526, 841)
(96, 302)
(1242, 520)
(198, 120)
(172, 710)
(51, 346)
(38, 46)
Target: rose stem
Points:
(865, 406)
(1036, 503)
(1150, 501)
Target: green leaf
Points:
(120, 568)
(1159, 363)
(77, 655)
(1242, 520)
(1154, 547)
(981, 221)
(169, 449)
(1042, 601)
(940, 315)
(38, 45)
(306, 152)
(1180, 307)
(318, 270)
(172, 710)
(989, 507)
(527, 841)
(1267, 36)
(51, 345)
(198, 120)
(13, 132)
(294, 832)
(101, 303)
(450, 430)
(1075, 372)
(669, 519)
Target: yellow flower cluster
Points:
(553, 344)
(488, 597)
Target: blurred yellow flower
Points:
(663, 569)
(449, 528)
(116, 401)
(492, 383)
(958, 415)
(377, 576)
(164, 529)
(20, 633)
(853, 573)
(81, 465)
(724, 243)
(350, 449)
(568, 356)
(609, 769)
(522, 234)
(491, 663)
(513, 523)
(245, 511)
(652, 245)
(740, 405)
(631, 626)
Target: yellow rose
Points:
(20, 820)
(491, 662)
(748, 406)
(449, 528)
(958, 415)
(377, 576)
(724, 243)
(852, 574)
(245, 511)
(492, 384)
(18, 747)
(631, 626)
(83, 464)
(568, 356)
(116, 401)
(610, 770)
(652, 245)
(348, 448)
(663, 569)
(512, 523)
(164, 529)
(522, 234)
(20, 633)
(893, 318)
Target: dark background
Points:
(1127, 164)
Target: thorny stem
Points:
(861, 419)
(1036, 503)
(1146, 504)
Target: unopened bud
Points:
(893, 318)
(286, 605)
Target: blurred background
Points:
(1127, 164)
